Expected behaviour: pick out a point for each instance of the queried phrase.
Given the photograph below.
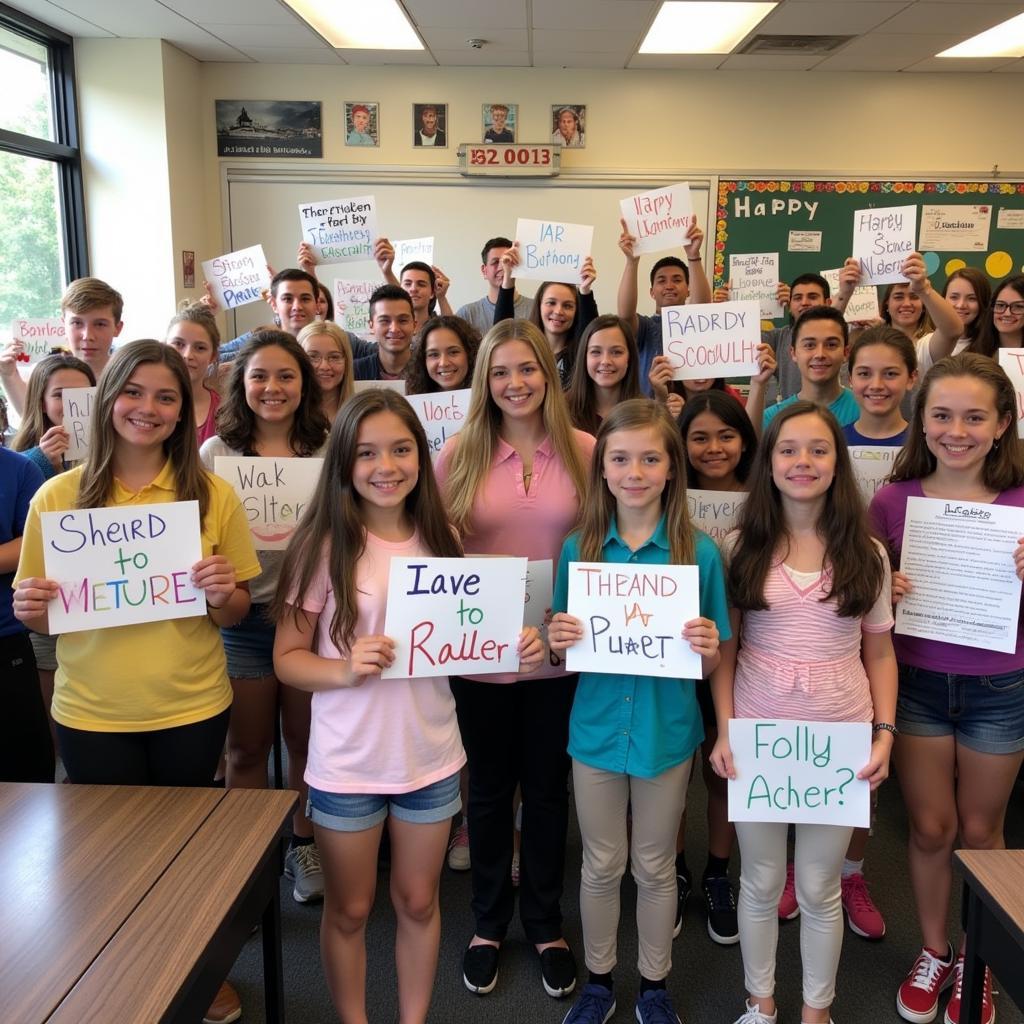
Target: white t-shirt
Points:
(924, 355)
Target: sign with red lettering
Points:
(454, 616)
(633, 618)
(39, 337)
(442, 414)
(711, 340)
(658, 219)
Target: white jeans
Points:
(818, 861)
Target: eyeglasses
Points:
(1016, 308)
(332, 358)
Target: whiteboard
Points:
(261, 207)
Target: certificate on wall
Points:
(972, 599)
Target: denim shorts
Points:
(984, 713)
(249, 646)
(356, 812)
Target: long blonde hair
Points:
(474, 450)
(340, 338)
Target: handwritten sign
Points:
(715, 512)
(340, 230)
(239, 277)
(754, 277)
(872, 466)
(121, 566)
(801, 772)
(1012, 361)
(550, 251)
(882, 240)
(39, 336)
(77, 403)
(1010, 219)
(442, 413)
(804, 241)
(367, 385)
(955, 228)
(660, 218)
(863, 304)
(352, 304)
(273, 492)
(454, 616)
(633, 618)
(717, 339)
(408, 250)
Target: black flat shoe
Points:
(480, 968)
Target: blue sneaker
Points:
(595, 1005)
(655, 1007)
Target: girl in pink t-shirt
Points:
(811, 590)
(379, 749)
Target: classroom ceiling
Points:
(884, 35)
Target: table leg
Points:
(273, 975)
(974, 966)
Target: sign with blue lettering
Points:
(552, 251)
(239, 277)
(340, 230)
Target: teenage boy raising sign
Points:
(426, 285)
(481, 313)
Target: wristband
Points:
(693, 259)
(885, 727)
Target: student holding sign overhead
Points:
(194, 333)
(969, 292)
(636, 512)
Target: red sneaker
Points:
(788, 906)
(918, 997)
(862, 915)
(988, 1010)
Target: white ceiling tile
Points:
(562, 59)
(811, 17)
(289, 55)
(1014, 65)
(141, 19)
(494, 39)
(912, 48)
(469, 58)
(214, 51)
(960, 18)
(864, 62)
(294, 37)
(480, 14)
(370, 58)
(583, 41)
(976, 65)
(629, 16)
(62, 19)
(770, 62)
(230, 12)
(688, 61)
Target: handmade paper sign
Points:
(37, 337)
(408, 250)
(1012, 361)
(352, 304)
(123, 565)
(442, 414)
(955, 228)
(882, 240)
(367, 385)
(340, 230)
(715, 512)
(273, 492)
(550, 251)
(633, 618)
(804, 241)
(239, 277)
(660, 218)
(716, 339)
(800, 772)
(77, 403)
(872, 466)
(540, 588)
(863, 304)
(454, 616)
(754, 277)
(972, 599)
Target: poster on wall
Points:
(269, 128)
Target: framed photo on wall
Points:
(568, 125)
(430, 125)
(499, 122)
(269, 128)
(362, 123)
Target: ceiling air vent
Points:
(766, 44)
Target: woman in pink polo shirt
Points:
(513, 479)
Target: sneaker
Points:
(720, 901)
(788, 906)
(558, 971)
(988, 1010)
(753, 1015)
(595, 1005)
(917, 999)
(683, 887)
(863, 917)
(302, 865)
(480, 968)
(515, 869)
(458, 849)
(225, 1008)
(655, 1007)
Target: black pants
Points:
(26, 749)
(185, 755)
(517, 734)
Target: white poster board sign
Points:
(659, 219)
(715, 512)
(442, 413)
(124, 565)
(754, 277)
(714, 339)
(77, 403)
(352, 304)
(340, 230)
(39, 336)
(955, 228)
(1012, 361)
(872, 466)
(801, 772)
(552, 251)
(239, 277)
(633, 618)
(863, 304)
(274, 494)
(454, 616)
(882, 240)
(973, 599)
(409, 250)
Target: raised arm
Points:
(948, 325)
(700, 286)
(627, 294)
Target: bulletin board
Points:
(758, 215)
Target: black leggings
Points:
(186, 755)
(26, 749)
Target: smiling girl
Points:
(883, 370)
(443, 357)
(605, 372)
(194, 334)
(1003, 324)
(969, 292)
(330, 354)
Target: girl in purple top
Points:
(961, 709)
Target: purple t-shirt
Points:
(888, 512)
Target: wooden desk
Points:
(993, 917)
(130, 903)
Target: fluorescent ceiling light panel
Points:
(1005, 40)
(701, 27)
(358, 25)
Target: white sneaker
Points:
(458, 849)
(754, 1015)
(302, 865)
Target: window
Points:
(42, 226)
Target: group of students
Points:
(561, 457)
